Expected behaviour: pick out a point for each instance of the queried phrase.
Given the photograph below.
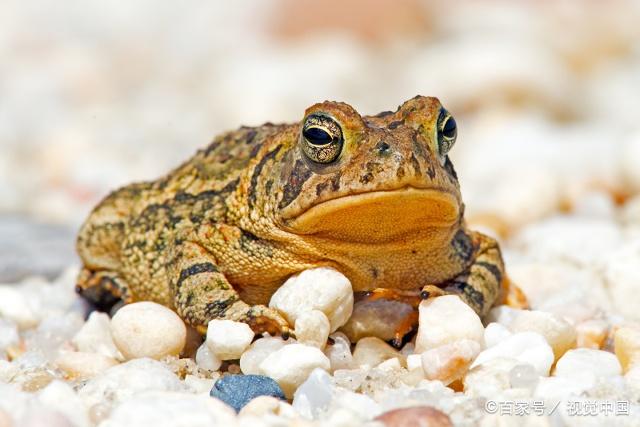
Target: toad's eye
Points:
(321, 138)
(447, 132)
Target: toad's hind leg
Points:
(482, 283)
(103, 289)
(202, 293)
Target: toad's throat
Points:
(380, 216)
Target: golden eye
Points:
(321, 138)
(447, 132)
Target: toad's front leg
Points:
(483, 283)
(202, 293)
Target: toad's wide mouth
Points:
(379, 216)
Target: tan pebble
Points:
(312, 328)
(99, 412)
(591, 334)
(372, 351)
(559, 333)
(267, 405)
(451, 361)
(418, 416)
(627, 347)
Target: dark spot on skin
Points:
(268, 186)
(321, 187)
(400, 172)
(384, 114)
(395, 124)
(335, 181)
(418, 146)
(374, 273)
(217, 309)
(462, 245)
(299, 175)
(211, 147)
(472, 295)
(205, 267)
(250, 136)
(416, 165)
(257, 171)
(448, 166)
(255, 150)
(366, 178)
(383, 148)
(413, 251)
(431, 170)
(492, 268)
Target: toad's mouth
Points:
(379, 216)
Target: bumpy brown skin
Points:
(217, 236)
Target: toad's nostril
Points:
(383, 147)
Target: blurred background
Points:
(96, 94)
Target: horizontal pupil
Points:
(317, 136)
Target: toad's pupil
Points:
(317, 136)
(449, 129)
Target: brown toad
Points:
(375, 197)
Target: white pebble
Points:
(627, 347)
(200, 384)
(134, 377)
(82, 365)
(228, 339)
(312, 328)
(15, 307)
(414, 362)
(95, 336)
(592, 333)
(451, 361)
(447, 319)
(323, 289)
(8, 334)
(586, 365)
(258, 351)
(147, 329)
(264, 406)
(205, 358)
(622, 276)
(559, 333)
(165, 409)
(62, 398)
(372, 351)
(494, 333)
(339, 353)
(314, 395)
(490, 378)
(291, 365)
(525, 347)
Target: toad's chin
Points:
(379, 216)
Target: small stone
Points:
(82, 365)
(494, 333)
(417, 416)
(227, 339)
(437, 328)
(339, 353)
(525, 347)
(449, 362)
(323, 289)
(379, 318)
(372, 351)
(490, 378)
(559, 333)
(587, 366)
(98, 413)
(95, 336)
(147, 329)
(238, 390)
(168, 409)
(62, 398)
(121, 382)
(414, 361)
(312, 328)
(263, 406)
(291, 365)
(622, 276)
(15, 307)
(199, 384)
(205, 358)
(627, 347)
(592, 333)
(258, 351)
(392, 364)
(314, 396)
(523, 376)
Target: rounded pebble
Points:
(82, 365)
(627, 347)
(147, 329)
(559, 333)
(417, 416)
(339, 352)
(372, 351)
(227, 339)
(258, 351)
(526, 347)
(323, 289)
(206, 359)
(95, 336)
(435, 325)
(312, 328)
(523, 376)
(587, 364)
(449, 362)
(238, 390)
(291, 365)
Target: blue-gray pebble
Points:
(238, 390)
